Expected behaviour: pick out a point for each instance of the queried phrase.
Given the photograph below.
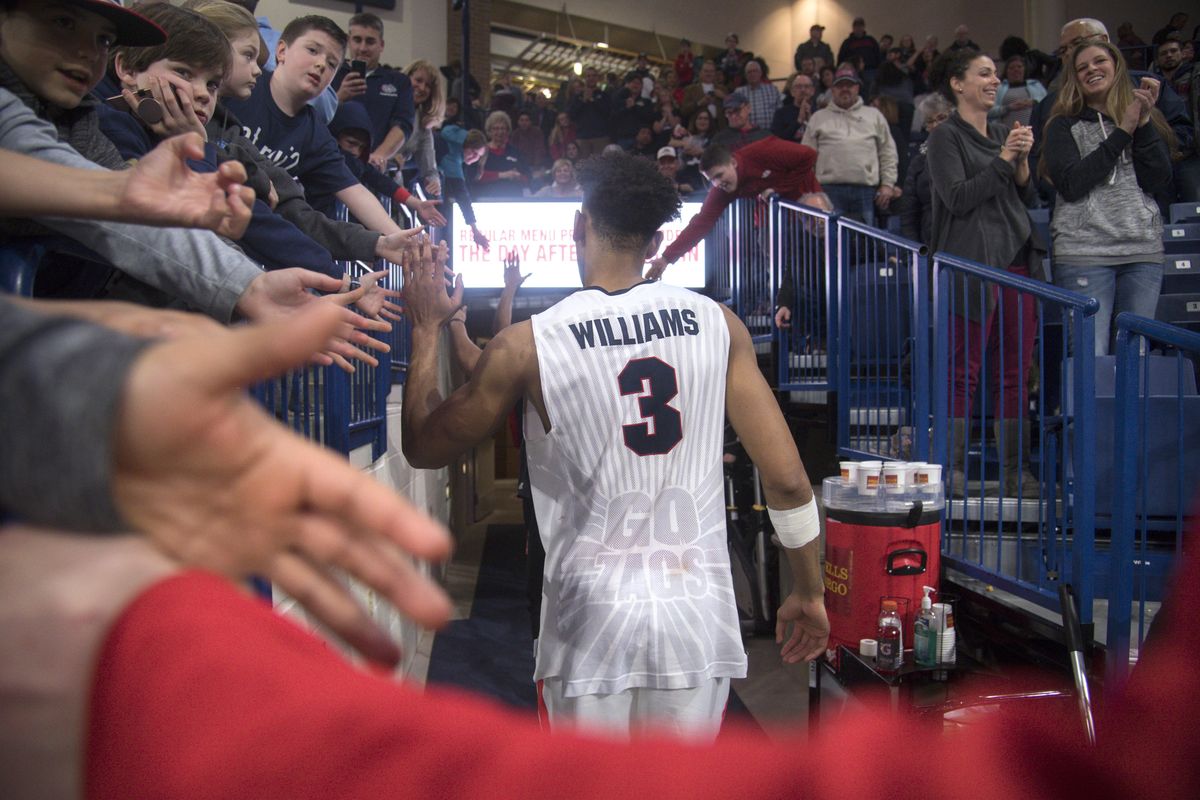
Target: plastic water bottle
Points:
(891, 639)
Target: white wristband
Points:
(796, 526)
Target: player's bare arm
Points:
(464, 351)
(434, 430)
(764, 433)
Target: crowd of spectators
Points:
(733, 100)
(684, 104)
(320, 120)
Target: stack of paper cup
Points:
(913, 468)
(943, 614)
(928, 477)
(868, 477)
(894, 477)
(849, 473)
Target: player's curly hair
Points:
(627, 198)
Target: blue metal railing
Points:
(1156, 461)
(18, 266)
(804, 270)
(300, 399)
(882, 318)
(718, 258)
(343, 411)
(324, 404)
(996, 331)
(742, 244)
(398, 339)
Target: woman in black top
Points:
(981, 184)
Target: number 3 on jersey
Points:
(655, 383)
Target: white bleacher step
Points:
(808, 360)
(810, 397)
(879, 416)
(990, 509)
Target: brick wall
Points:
(480, 56)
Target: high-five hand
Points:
(425, 298)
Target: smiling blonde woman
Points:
(1107, 152)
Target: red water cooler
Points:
(872, 555)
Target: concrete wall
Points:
(772, 28)
(425, 489)
(428, 490)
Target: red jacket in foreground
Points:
(201, 692)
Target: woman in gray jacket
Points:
(1106, 152)
(980, 178)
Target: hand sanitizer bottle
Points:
(925, 639)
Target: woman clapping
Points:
(1107, 152)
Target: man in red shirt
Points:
(768, 166)
(684, 63)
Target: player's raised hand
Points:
(425, 299)
(456, 298)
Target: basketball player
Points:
(627, 384)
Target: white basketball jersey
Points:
(628, 490)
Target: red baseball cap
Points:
(133, 30)
(846, 73)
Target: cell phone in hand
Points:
(148, 109)
(359, 66)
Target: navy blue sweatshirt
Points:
(269, 239)
(301, 144)
(388, 100)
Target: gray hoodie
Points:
(1105, 179)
